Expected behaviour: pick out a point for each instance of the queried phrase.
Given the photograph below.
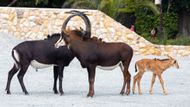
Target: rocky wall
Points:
(36, 23)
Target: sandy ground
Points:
(75, 84)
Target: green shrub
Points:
(145, 23)
(181, 40)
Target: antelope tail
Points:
(15, 56)
(135, 67)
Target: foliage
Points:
(35, 3)
(26, 3)
(131, 6)
(110, 7)
(114, 7)
(145, 23)
(181, 4)
(41, 1)
(30, 3)
(170, 22)
(181, 40)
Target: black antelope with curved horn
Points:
(93, 53)
(39, 54)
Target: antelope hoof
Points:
(150, 92)
(8, 92)
(61, 93)
(133, 92)
(90, 95)
(165, 93)
(55, 91)
(122, 92)
(26, 93)
(140, 93)
(128, 91)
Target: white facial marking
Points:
(111, 67)
(37, 65)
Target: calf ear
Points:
(169, 56)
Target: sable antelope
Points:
(92, 53)
(40, 54)
(157, 66)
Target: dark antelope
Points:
(40, 54)
(93, 53)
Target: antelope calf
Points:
(157, 66)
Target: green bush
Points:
(145, 23)
(181, 40)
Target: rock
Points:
(31, 24)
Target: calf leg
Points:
(162, 84)
(55, 73)
(134, 82)
(152, 83)
(138, 82)
(61, 79)
(91, 79)
(20, 75)
(10, 75)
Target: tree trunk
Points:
(184, 23)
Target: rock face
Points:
(36, 23)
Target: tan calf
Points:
(157, 66)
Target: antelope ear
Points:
(83, 31)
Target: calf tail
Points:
(16, 58)
(135, 67)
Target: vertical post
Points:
(161, 23)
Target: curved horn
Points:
(87, 33)
(75, 11)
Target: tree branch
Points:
(13, 2)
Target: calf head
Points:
(174, 62)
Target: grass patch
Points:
(182, 40)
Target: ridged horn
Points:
(87, 33)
